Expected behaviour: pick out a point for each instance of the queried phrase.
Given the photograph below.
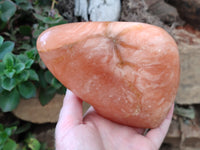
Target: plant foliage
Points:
(22, 72)
(8, 143)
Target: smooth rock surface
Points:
(31, 110)
(129, 72)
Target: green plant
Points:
(7, 10)
(5, 47)
(29, 143)
(22, 73)
(49, 86)
(5, 141)
(16, 80)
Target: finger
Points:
(71, 112)
(157, 135)
(140, 130)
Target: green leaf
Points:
(27, 89)
(29, 63)
(48, 76)
(46, 95)
(9, 100)
(2, 24)
(9, 72)
(8, 60)
(41, 64)
(1, 40)
(3, 138)
(37, 32)
(9, 83)
(33, 143)
(1, 89)
(9, 130)
(23, 76)
(10, 145)
(42, 80)
(7, 9)
(2, 66)
(24, 4)
(55, 83)
(31, 53)
(47, 20)
(33, 75)
(5, 48)
(23, 128)
(19, 67)
(61, 90)
(1, 128)
(22, 58)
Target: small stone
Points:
(98, 10)
(31, 110)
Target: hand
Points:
(93, 132)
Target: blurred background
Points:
(31, 98)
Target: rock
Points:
(188, 41)
(190, 133)
(138, 11)
(189, 10)
(128, 78)
(149, 3)
(183, 133)
(98, 10)
(104, 10)
(81, 9)
(167, 13)
(31, 110)
(174, 134)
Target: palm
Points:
(94, 132)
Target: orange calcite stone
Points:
(129, 72)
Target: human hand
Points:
(93, 132)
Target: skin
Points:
(93, 132)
